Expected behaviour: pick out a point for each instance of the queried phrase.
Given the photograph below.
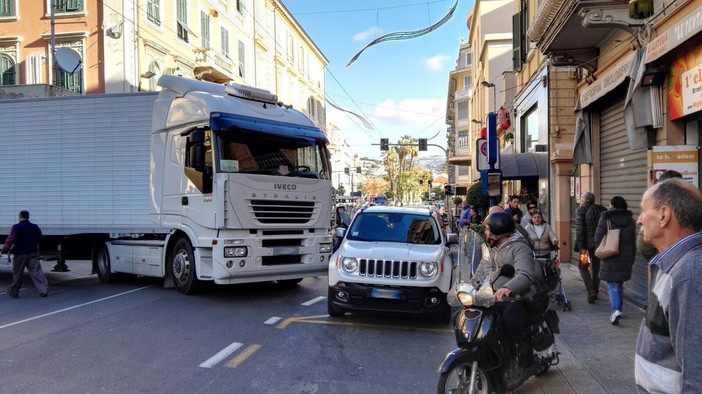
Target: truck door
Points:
(196, 200)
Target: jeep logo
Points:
(284, 186)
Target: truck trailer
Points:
(199, 182)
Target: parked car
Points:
(392, 260)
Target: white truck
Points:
(200, 182)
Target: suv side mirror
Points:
(451, 238)
(339, 232)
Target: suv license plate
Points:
(385, 293)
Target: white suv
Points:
(392, 259)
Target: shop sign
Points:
(607, 81)
(685, 84)
(681, 158)
(690, 25)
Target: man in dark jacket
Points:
(23, 241)
(586, 219)
(617, 269)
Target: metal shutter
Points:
(623, 173)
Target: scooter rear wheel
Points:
(457, 379)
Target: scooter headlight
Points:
(465, 298)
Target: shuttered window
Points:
(242, 60)
(204, 29)
(518, 41)
(224, 40)
(72, 82)
(68, 5)
(153, 11)
(182, 20)
(7, 71)
(7, 7)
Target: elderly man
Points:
(667, 354)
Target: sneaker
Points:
(616, 315)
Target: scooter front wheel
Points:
(457, 379)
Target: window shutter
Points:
(224, 40)
(7, 8)
(517, 40)
(204, 30)
(7, 71)
(242, 60)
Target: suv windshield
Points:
(395, 227)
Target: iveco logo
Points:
(284, 186)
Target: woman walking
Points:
(617, 269)
(541, 235)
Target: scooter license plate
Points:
(386, 293)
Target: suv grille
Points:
(282, 212)
(388, 268)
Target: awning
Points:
(524, 165)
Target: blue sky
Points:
(400, 86)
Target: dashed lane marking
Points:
(316, 320)
(273, 320)
(221, 355)
(241, 357)
(312, 301)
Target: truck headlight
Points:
(349, 264)
(325, 248)
(427, 269)
(235, 251)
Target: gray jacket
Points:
(515, 251)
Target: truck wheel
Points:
(182, 266)
(102, 264)
(331, 309)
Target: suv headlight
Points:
(349, 264)
(427, 269)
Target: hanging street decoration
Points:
(363, 120)
(407, 35)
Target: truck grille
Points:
(388, 268)
(282, 212)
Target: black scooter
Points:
(485, 361)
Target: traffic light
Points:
(384, 144)
(448, 190)
(346, 170)
(422, 144)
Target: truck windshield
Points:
(255, 152)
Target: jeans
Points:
(616, 291)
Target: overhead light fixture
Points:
(487, 84)
(476, 121)
(653, 76)
(148, 74)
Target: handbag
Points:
(609, 246)
(584, 259)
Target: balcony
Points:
(463, 94)
(570, 31)
(212, 66)
(460, 156)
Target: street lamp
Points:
(494, 94)
(476, 121)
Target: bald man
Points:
(667, 353)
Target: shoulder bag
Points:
(609, 246)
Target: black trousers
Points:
(591, 274)
(31, 261)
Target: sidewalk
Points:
(595, 356)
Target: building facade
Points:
(458, 118)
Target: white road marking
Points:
(310, 302)
(221, 355)
(72, 307)
(272, 320)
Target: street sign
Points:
(481, 154)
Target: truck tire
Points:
(182, 267)
(103, 266)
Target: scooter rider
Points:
(510, 247)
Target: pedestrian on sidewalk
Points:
(587, 217)
(617, 269)
(667, 353)
(23, 241)
(541, 235)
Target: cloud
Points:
(415, 111)
(367, 34)
(435, 63)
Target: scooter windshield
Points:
(472, 251)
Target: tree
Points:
(375, 186)
(475, 197)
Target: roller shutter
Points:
(623, 173)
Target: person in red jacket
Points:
(23, 241)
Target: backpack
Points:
(551, 272)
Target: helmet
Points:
(500, 223)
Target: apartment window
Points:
(224, 40)
(68, 5)
(462, 138)
(242, 60)
(204, 29)
(7, 7)
(72, 82)
(240, 6)
(156, 69)
(182, 20)
(467, 83)
(462, 113)
(35, 66)
(468, 60)
(519, 27)
(531, 130)
(153, 11)
(7, 71)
